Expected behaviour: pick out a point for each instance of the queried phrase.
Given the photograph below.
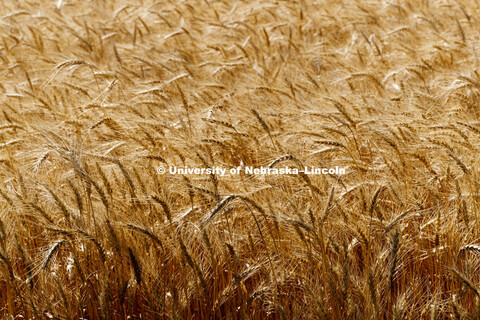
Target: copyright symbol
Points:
(160, 170)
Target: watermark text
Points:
(250, 170)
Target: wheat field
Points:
(97, 96)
